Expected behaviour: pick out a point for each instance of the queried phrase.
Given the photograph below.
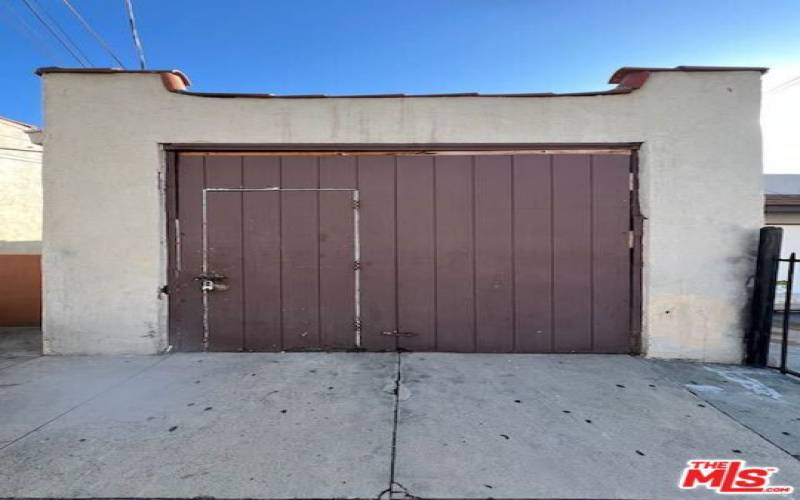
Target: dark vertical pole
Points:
(136, 41)
(769, 248)
(787, 308)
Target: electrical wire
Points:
(53, 22)
(53, 32)
(92, 32)
(785, 85)
(28, 32)
(136, 41)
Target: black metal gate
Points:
(784, 324)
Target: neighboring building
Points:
(782, 209)
(20, 224)
(618, 221)
(779, 112)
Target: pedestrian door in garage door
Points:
(465, 251)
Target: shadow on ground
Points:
(321, 425)
(19, 344)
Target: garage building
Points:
(608, 222)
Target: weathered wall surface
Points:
(105, 245)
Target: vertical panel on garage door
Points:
(572, 253)
(416, 268)
(186, 312)
(467, 252)
(224, 253)
(494, 298)
(533, 253)
(300, 252)
(261, 253)
(455, 305)
(610, 252)
(376, 183)
(336, 249)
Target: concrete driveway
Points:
(317, 425)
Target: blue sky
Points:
(408, 46)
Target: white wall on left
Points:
(20, 190)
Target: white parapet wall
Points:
(105, 229)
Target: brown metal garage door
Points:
(467, 252)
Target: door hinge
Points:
(395, 333)
(631, 181)
(631, 239)
(356, 265)
(356, 204)
(357, 325)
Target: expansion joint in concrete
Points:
(742, 424)
(21, 360)
(84, 402)
(396, 490)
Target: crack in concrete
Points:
(5, 445)
(395, 489)
(398, 379)
(398, 492)
(740, 423)
(22, 359)
(683, 386)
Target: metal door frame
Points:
(356, 249)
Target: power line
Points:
(785, 85)
(136, 42)
(31, 34)
(91, 31)
(58, 27)
(53, 32)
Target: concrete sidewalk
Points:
(570, 426)
(225, 425)
(322, 425)
(19, 344)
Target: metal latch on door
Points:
(210, 282)
(395, 333)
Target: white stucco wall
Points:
(20, 190)
(104, 250)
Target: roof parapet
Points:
(626, 78)
(173, 79)
(620, 75)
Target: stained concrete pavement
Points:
(571, 426)
(310, 425)
(19, 344)
(323, 425)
